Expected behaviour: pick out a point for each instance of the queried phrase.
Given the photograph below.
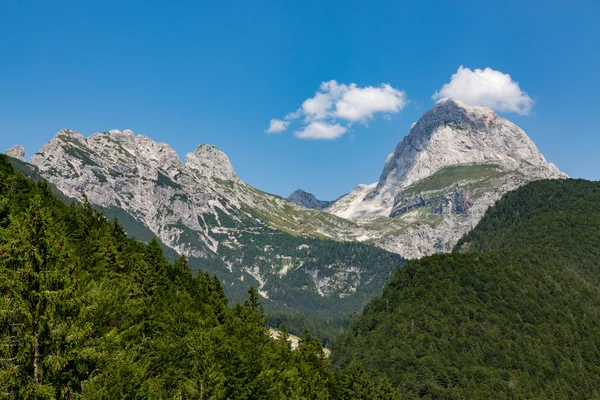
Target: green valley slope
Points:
(514, 312)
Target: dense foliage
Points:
(87, 312)
(513, 313)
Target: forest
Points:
(87, 312)
(512, 313)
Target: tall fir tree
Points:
(40, 306)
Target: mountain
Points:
(200, 208)
(453, 134)
(456, 161)
(511, 313)
(308, 200)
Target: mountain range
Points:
(302, 253)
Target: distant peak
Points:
(308, 200)
(120, 135)
(207, 148)
(17, 152)
(443, 100)
(449, 110)
(117, 132)
(451, 101)
(300, 191)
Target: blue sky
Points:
(217, 72)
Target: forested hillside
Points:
(322, 279)
(513, 313)
(86, 312)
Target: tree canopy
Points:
(512, 313)
(87, 312)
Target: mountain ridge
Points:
(308, 200)
(201, 209)
(455, 162)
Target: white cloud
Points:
(486, 87)
(317, 107)
(336, 106)
(359, 104)
(277, 126)
(321, 130)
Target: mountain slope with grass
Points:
(512, 313)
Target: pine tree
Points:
(356, 384)
(154, 268)
(40, 306)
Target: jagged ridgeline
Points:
(86, 312)
(514, 312)
(201, 209)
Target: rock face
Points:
(144, 178)
(210, 162)
(456, 161)
(308, 200)
(17, 152)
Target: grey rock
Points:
(308, 200)
(193, 207)
(17, 152)
(210, 162)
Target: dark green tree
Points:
(40, 306)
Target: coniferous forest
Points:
(513, 313)
(86, 312)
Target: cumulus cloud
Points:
(335, 107)
(359, 104)
(277, 126)
(321, 130)
(317, 107)
(486, 87)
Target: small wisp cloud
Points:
(486, 87)
(335, 107)
(277, 125)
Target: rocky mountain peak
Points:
(17, 152)
(210, 162)
(454, 133)
(456, 161)
(308, 200)
(116, 134)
